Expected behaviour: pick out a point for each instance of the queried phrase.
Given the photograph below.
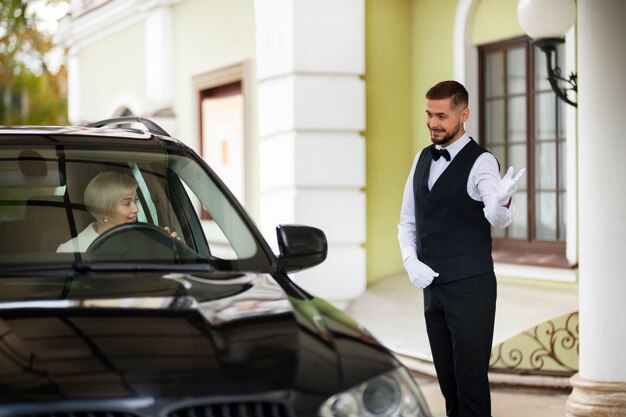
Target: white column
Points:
(159, 55)
(310, 58)
(74, 113)
(600, 386)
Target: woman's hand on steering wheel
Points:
(173, 234)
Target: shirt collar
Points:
(456, 147)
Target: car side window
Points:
(170, 190)
(223, 225)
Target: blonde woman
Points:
(111, 198)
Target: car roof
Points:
(136, 129)
(73, 130)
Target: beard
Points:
(446, 138)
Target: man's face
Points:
(445, 123)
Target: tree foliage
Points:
(29, 92)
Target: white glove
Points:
(508, 186)
(420, 274)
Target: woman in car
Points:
(111, 198)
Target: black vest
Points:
(453, 235)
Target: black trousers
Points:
(459, 320)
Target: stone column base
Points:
(596, 398)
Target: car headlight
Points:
(392, 394)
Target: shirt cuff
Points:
(408, 252)
(500, 216)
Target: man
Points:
(452, 197)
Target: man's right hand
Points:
(508, 186)
(420, 274)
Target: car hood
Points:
(149, 336)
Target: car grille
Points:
(232, 409)
(79, 414)
(240, 409)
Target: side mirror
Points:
(301, 247)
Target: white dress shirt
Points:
(482, 185)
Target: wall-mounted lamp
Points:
(547, 21)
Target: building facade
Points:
(312, 111)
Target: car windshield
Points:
(173, 212)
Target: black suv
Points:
(181, 308)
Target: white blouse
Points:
(81, 242)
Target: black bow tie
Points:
(438, 153)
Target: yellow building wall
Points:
(118, 59)
(388, 137)
(495, 20)
(432, 37)
(408, 49)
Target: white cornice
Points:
(77, 32)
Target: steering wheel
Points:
(140, 241)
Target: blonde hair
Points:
(105, 190)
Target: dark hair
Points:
(449, 89)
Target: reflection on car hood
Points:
(150, 336)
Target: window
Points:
(522, 125)
(222, 134)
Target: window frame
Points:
(528, 250)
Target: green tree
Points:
(29, 92)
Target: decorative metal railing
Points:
(548, 348)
